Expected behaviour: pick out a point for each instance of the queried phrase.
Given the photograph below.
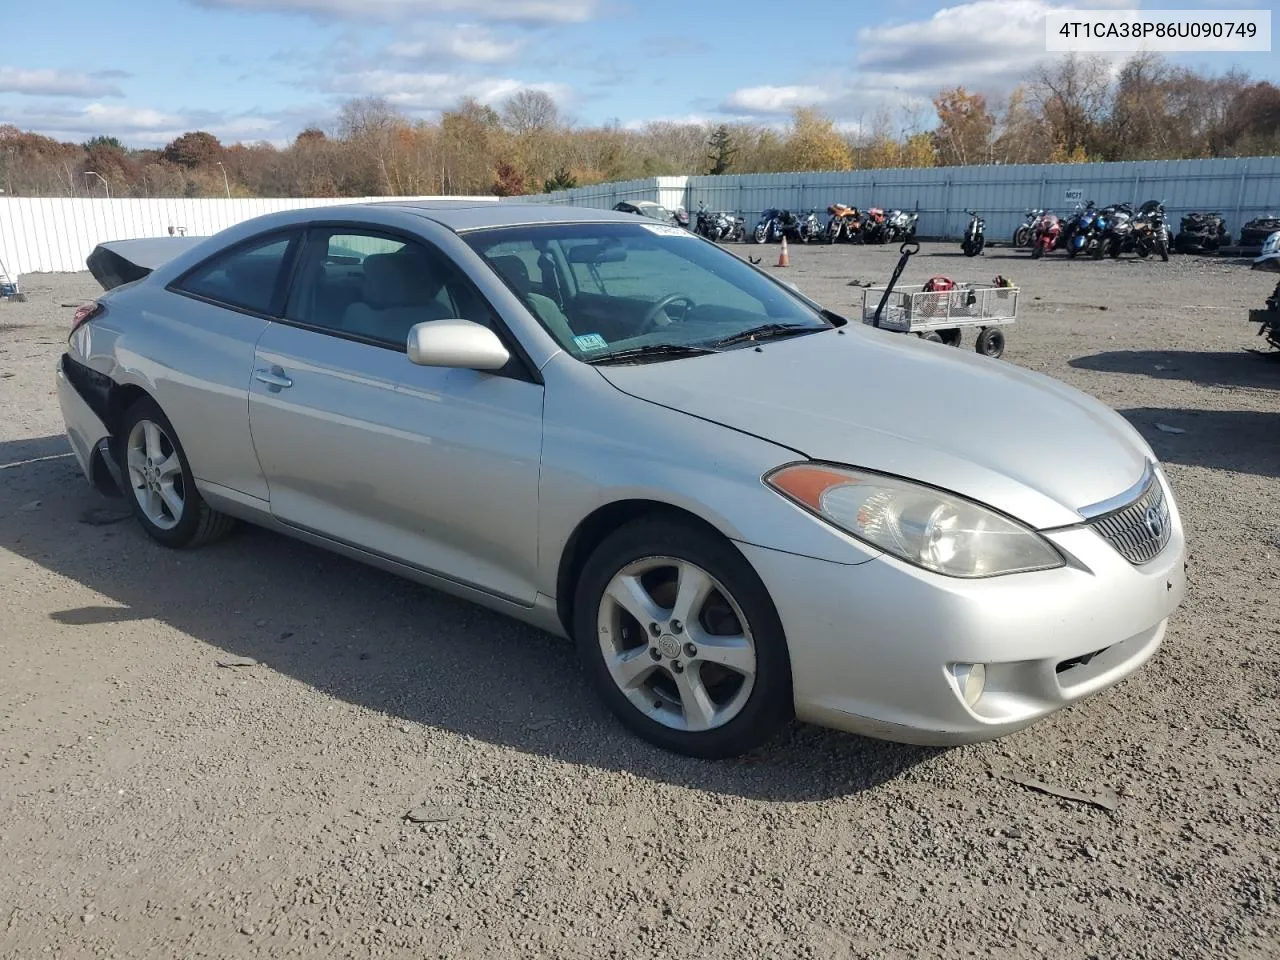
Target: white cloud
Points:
(57, 83)
(468, 42)
(771, 99)
(985, 45)
(501, 11)
(148, 127)
(426, 93)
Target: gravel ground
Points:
(156, 802)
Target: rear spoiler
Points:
(122, 261)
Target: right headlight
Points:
(930, 528)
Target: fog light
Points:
(971, 678)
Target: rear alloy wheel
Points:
(682, 641)
(990, 342)
(161, 489)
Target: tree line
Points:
(1073, 110)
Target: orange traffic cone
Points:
(783, 259)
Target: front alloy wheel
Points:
(682, 640)
(676, 644)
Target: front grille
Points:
(1141, 529)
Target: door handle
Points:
(273, 378)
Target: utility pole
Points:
(225, 182)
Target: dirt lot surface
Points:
(155, 802)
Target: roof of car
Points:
(463, 215)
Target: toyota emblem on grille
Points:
(1154, 523)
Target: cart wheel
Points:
(990, 342)
(933, 336)
(952, 338)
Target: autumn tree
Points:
(1073, 97)
(530, 111)
(812, 143)
(509, 181)
(195, 149)
(963, 134)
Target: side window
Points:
(376, 287)
(245, 277)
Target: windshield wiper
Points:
(652, 351)
(768, 331)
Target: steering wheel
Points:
(651, 315)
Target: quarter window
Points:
(246, 277)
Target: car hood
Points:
(1019, 441)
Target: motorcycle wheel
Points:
(1098, 250)
(1022, 236)
(1037, 252)
(1113, 249)
(1072, 251)
(1142, 250)
(761, 234)
(1163, 247)
(970, 249)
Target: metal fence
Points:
(46, 234)
(1238, 188)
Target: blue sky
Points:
(264, 69)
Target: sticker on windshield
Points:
(590, 341)
(663, 230)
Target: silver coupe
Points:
(742, 507)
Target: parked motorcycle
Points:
(845, 223)
(1085, 232)
(974, 235)
(681, 217)
(1047, 235)
(900, 226)
(1022, 237)
(719, 227)
(1066, 239)
(1116, 231)
(874, 227)
(1150, 231)
(809, 227)
(774, 224)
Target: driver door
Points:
(434, 468)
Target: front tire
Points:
(159, 484)
(1022, 236)
(679, 635)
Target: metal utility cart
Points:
(942, 315)
(9, 289)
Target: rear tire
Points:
(159, 484)
(990, 342)
(649, 559)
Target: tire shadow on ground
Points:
(378, 641)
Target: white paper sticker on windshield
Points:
(664, 230)
(590, 341)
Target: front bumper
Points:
(85, 429)
(873, 645)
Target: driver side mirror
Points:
(456, 343)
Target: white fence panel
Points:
(55, 234)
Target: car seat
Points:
(515, 272)
(398, 290)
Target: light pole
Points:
(107, 186)
(225, 182)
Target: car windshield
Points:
(604, 288)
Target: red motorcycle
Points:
(1047, 233)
